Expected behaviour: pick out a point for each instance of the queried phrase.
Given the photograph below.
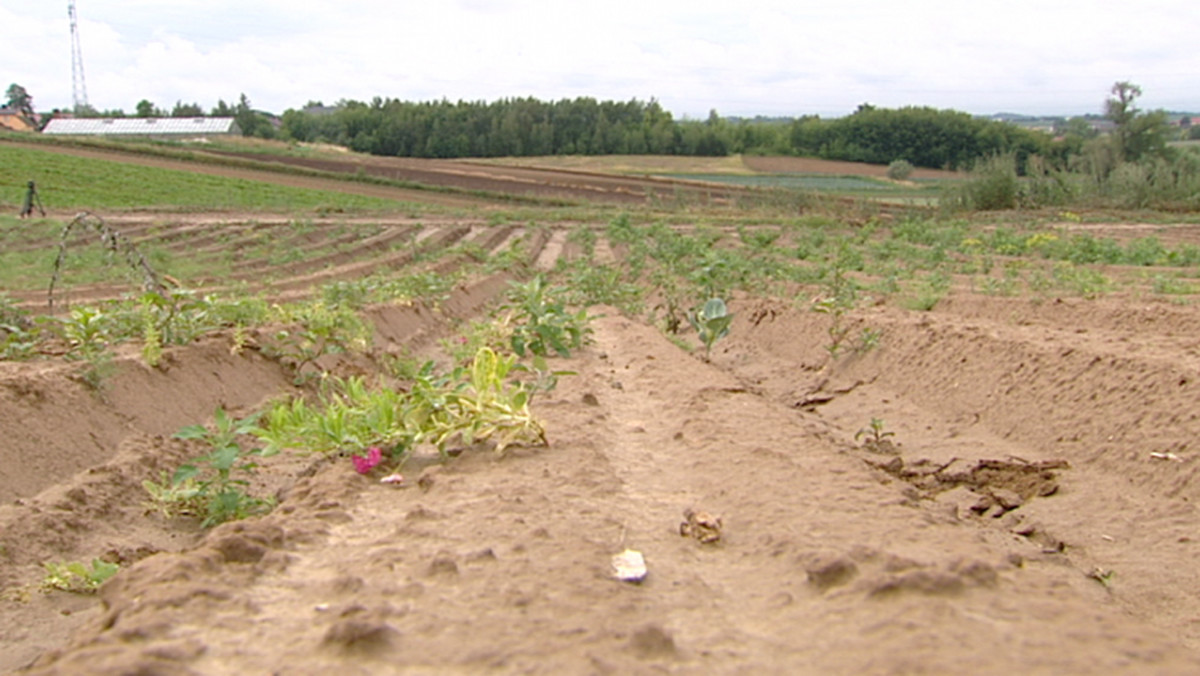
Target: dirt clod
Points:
(705, 528)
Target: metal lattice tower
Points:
(78, 85)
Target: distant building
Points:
(167, 127)
(13, 120)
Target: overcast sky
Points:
(754, 57)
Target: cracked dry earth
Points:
(1033, 513)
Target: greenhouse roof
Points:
(142, 125)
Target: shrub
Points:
(993, 185)
(900, 170)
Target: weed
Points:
(77, 578)
(540, 323)
(836, 332)
(17, 342)
(321, 329)
(874, 431)
(152, 348)
(876, 438)
(468, 404)
(868, 340)
(1162, 284)
(590, 284)
(206, 486)
(86, 331)
(1103, 576)
(759, 239)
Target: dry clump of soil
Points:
(830, 559)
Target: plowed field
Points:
(1031, 508)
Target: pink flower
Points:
(365, 465)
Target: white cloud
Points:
(754, 57)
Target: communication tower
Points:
(78, 86)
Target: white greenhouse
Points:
(176, 127)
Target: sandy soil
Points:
(1032, 514)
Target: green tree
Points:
(1137, 134)
(145, 108)
(182, 109)
(20, 100)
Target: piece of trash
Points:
(704, 527)
(1157, 455)
(392, 479)
(629, 566)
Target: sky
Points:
(747, 58)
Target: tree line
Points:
(920, 136)
(924, 137)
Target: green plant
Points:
(759, 239)
(468, 404)
(540, 323)
(77, 578)
(319, 330)
(836, 331)
(206, 486)
(899, 170)
(497, 410)
(868, 339)
(712, 323)
(152, 348)
(86, 331)
(992, 186)
(592, 284)
(874, 431)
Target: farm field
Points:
(927, 444)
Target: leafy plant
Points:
(899, 170)
(77, 578)
(86, 331)
(874, 431)
(876, 438)
(206, 486)
(868, 340)
(712, 322)
(541, 323)
(837, 332)
(495, 408)
(320, 329)
(468, 404)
